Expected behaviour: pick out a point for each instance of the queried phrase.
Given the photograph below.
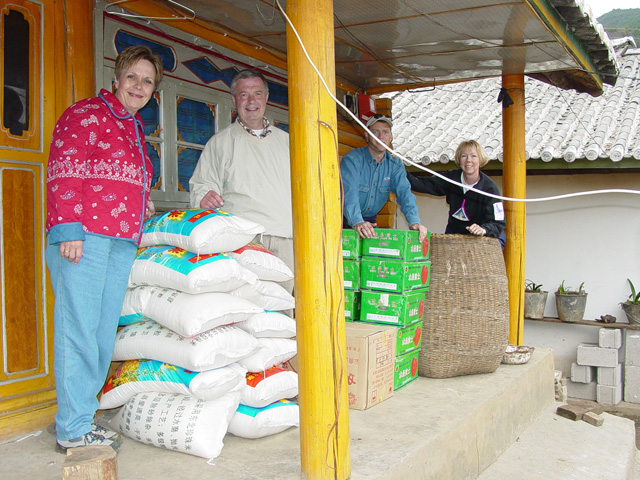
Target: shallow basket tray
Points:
(517, 354)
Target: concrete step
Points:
(438, 429)
(556, 448)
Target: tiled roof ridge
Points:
(582, 21)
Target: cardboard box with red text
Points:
(398, 244)
(352, 305)
(406, 369)
(371, 358)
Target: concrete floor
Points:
(432, 429)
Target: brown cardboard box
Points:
(371, 356)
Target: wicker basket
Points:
(466, 319)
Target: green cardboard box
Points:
(406, 370)
(394, 275)
(351, 244)
(409, 338)
(400, 244)
(351, 274)
(352, 305)
(392, 308)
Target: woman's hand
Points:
(71, 250)
(476, 229)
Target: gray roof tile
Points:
(559, 124)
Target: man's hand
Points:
(476, 229)
(71, 250)
(423, 231)
(212, 200)
(150, 210)
(365, 229)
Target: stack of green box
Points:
(351, 247)
(394, 277)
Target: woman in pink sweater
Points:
(98, 181)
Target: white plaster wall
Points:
(595, 239)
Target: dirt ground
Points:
(622, 409)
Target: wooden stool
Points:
(90, 463)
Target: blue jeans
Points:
(88, 301)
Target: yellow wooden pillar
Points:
(514, 176)
(317, 222)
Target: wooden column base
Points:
(90, 463)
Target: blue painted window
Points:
(150, 114)
(125, 39)
(155, 154)
(196, 123)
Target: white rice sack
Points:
(138, 376)
(214, 348)
(250, 422)
(264, 388)
(270, 352)
(190, 314)
(199, 231)
(262, 262)
(269, 324)
(132, 307)
(268, 295)
(176, 268)
(128, 319)
(178, 422)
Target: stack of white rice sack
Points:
(203, 337)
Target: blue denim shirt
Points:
(367, 184)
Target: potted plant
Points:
(632, 306)
(571, 303)
(535, 300)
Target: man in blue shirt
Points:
(369, 174)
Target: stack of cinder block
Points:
(632, 366)
(597, 373)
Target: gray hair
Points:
(248, 73)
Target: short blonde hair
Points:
(133, 54)
(482, 155)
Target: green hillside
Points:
(622, 22)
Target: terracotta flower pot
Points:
(571, 307)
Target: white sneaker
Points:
(86, 440)
(105, 432)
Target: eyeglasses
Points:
(380, 115)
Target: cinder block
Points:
(632, 383)
(610, 376)
(582, 373)
(632, 347)
(586, 391)
(607, 395)
(592, 354)
(610, 338)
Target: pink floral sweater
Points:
(99, 173)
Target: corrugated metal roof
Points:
(393, 46)
(560, 124)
